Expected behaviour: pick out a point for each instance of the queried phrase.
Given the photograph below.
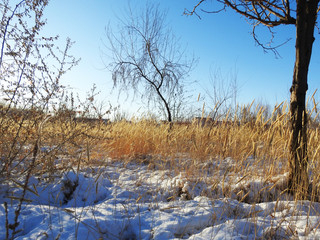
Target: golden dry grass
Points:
(243, 158)
(258, 148)
(235, 151)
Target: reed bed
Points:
(242, 157)
(238, 149)
(256, 149)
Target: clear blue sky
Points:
(219, 41)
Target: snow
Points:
(131, 201)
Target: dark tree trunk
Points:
(298, 161)
(166, 105)
(169, 115)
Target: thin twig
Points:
(6, 29)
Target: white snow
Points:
(133, 202)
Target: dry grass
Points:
(243, 158)
(62, 143)
(257, 149)
(233, 152)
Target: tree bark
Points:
(166, 105)
(298, 182)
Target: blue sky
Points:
(220, 41)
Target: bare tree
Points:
(302, 14)
(222, 93)
(146, 56)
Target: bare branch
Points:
(147, 55)
(189, 13)
(263, 46)
(286, 4)
(268, 13)
(6, 29)
(263, 15)
(217, 11)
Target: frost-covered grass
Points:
(149, 180)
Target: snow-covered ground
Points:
(131, 201)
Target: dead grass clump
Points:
(257, 146)
(132, 140)
(226, 154)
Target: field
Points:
(62, 178)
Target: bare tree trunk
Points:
(169, 115)
(165, 102)
(298, 161)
